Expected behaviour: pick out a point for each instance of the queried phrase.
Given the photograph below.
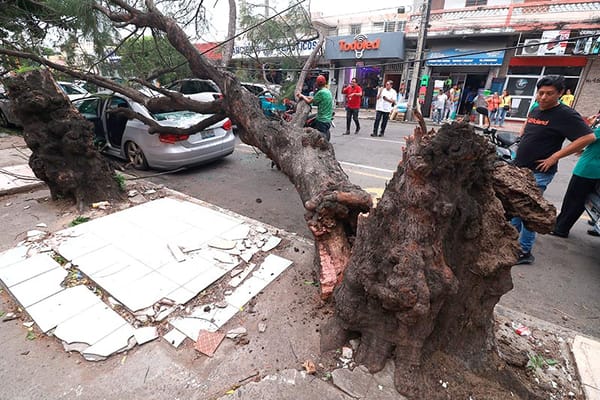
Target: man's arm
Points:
(306, 99)
(573, 147)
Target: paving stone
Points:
(205, 279)
(115, 342)
(23, 270)
(90, 326)
(13, 255)
(39, 287)
(355, 383)
(240, 232)
(74, 247)
(185, 271)
(181, 295)
(174, 337)
(145, 291)
(145, 334)
(94, 262)
(58, 308)
(245, 292)
(271, 268)
(236, 280)
(586, 352)
(118, 277)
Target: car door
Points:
(90, 109)
(115, 123)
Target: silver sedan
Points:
(130, 140)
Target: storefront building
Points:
(370, 58)
(471, 68)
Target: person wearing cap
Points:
(386, 100)
(324, 102)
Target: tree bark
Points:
(61, 141)
(432, 260)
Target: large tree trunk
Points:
(430, 263)
(61, 141)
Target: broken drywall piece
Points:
(239, 278)
(222, 244)
(271, 243)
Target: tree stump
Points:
(61, 141)
(430, 263)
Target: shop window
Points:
(471, 3)
(565, 71)
(389, 26)
(332, 32)
(377, 26)
(400, 26)
(527, 70)
(354, 29)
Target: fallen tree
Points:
(421, 274)
(63, 154)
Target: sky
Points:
(218, 15)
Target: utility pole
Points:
(414, 82)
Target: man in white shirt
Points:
(386, 100)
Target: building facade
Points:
(501, 45)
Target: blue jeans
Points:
(527, 237)
(500, 116)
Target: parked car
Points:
(7, 117)
(268, 96)
(197, 89)
(130, 139)
(72, 90)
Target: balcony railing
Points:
(568, 14)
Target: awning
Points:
(458, 57)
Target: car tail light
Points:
(218, 96)
(227, 125)
(171, 138)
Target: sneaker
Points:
(525, 258)
(592, 232)
(374, 134)
(559, 234)
(356, 131)
(381, 134)
(346, 133)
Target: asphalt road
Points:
(561, 287)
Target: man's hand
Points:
(546, 164)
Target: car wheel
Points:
(136, 156)
(3, 120)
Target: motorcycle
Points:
(506, 142)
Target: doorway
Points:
(473, 83)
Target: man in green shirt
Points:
(324, 102)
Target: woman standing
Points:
(505, 104)
(493, 102)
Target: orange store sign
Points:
(359, 45)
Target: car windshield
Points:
(72, 89)
(175, 115)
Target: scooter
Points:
(506, 143)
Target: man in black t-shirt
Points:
(545, 130)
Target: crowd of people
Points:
(550, 120)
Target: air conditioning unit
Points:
(531, 47)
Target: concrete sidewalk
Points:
(173, 269)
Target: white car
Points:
(73, 91)
(131, 141)
(203, 90)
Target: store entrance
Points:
(368, 79)
(473, 83)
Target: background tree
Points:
(425, 268)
